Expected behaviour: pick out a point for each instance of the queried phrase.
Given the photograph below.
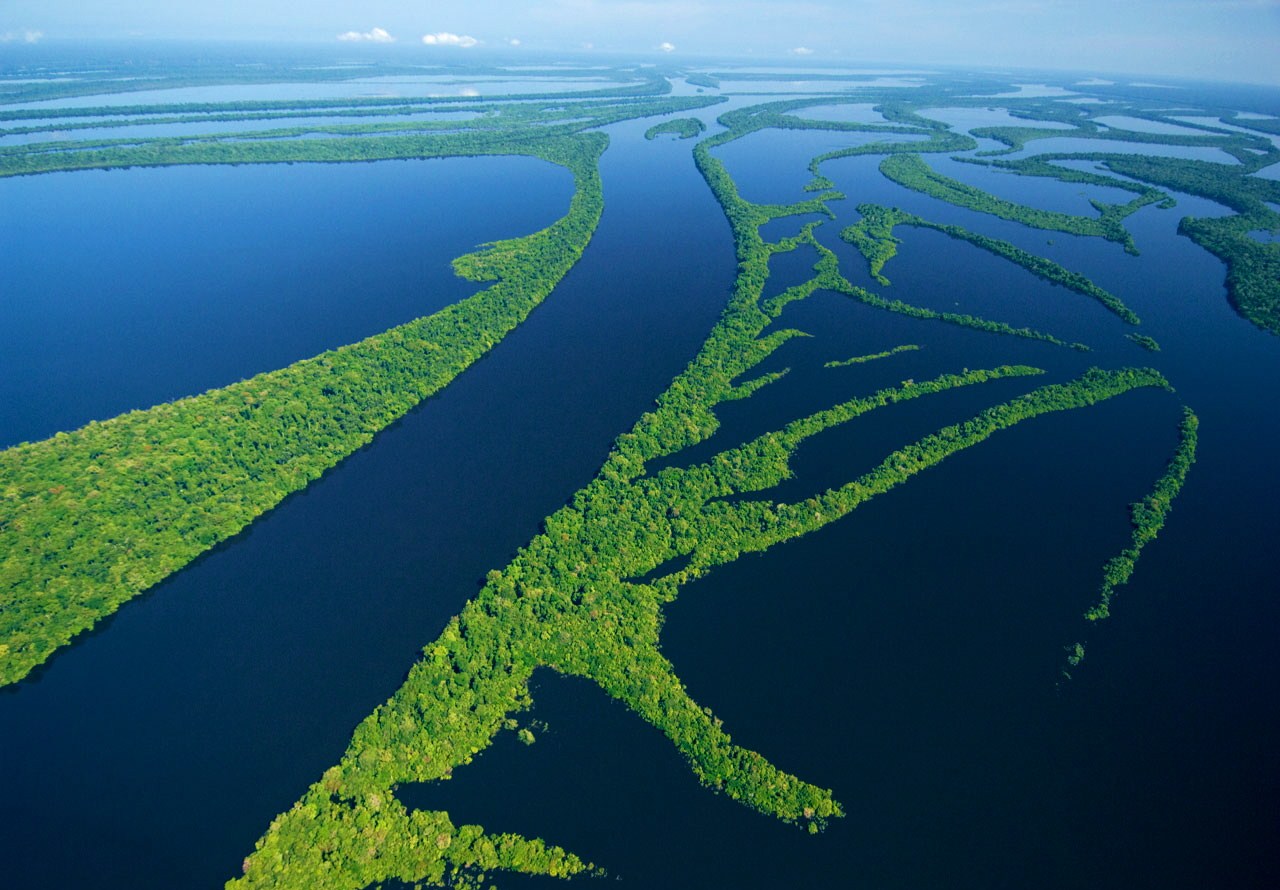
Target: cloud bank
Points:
(377, 35)
(27, 36)
(445, 38)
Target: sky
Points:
(1232, 40)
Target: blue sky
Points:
(1217, 39)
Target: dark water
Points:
(907, 656)
(787, 160)
(1043, 193)
(125, 288)
(207, 706)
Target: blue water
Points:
(1041, 192)
(205, 128)
(787, 160)
(205, 707)
(926, 703)
(965, 119)
(129, 288)
(906, 656)
(1142, 125)
(425, 87)
(1063, 144)
(861, 113)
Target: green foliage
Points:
(683, 127)
(584, 596)
(634, 82)
(1253, 268)
(1016, 138)
(93, 517)
(565, 602)
(1147, 343)
(513, 129)
(873, 236)
(911, 171)
(831, 278)
(1148, 516)
(571, 601)
(698, 79)
(862, 359)
(938, 141)
(409, 107)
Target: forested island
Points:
(79, 538)
(709, 477)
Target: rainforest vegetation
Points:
(1253, 268)
(632, 82)
(90, 518)
(911, 171)
(505, 130)
(863, 359)
(683, 127)
(93, 517)
(832, 279)
(572, 600)
(873, 236)
(1147, 517)
(1147, 343)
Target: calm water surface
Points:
(906, 657)
(124, 288)
(206, 707)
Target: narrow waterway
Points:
(180, 728)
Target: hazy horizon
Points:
(1228, 40)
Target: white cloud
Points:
(444, 38)
(513, 41)
(667, 46)
(802, 51)
(27, 36)
(377, 35)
